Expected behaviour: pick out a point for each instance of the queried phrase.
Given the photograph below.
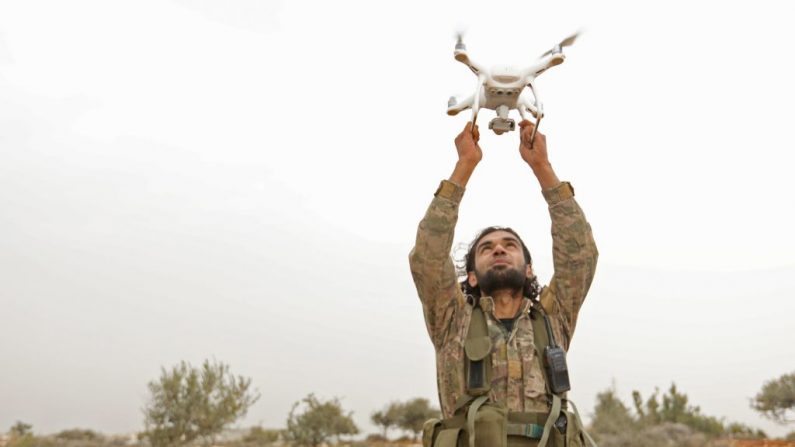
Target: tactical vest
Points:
(480, 422)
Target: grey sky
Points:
(242, 180)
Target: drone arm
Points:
(463, 57)
(543, 64)
(457, 107)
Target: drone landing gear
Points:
(502, 123)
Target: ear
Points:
(472, 279)
(529, 272)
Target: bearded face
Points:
(499, 264)
(500, 277)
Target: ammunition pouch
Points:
(496, 427)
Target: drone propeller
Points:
(459, 40)
(567, 42)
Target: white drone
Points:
(502, 88)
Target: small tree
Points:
(676, 409)
(388, 417)
(189, 403)
(611, 416)
(21, 435)
(21, 429)
(776, 400)
(648, 413)
(318, 422)
(414, 413)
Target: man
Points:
(500, 279)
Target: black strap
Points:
(542, 333)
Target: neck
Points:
(506, 302)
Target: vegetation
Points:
(21, 435)
(414, 413)
(20, 429)
(189, 403)
(318, 422)
(387, 418)
(409, 416)
(258, 437)
(261, 436)
(776, 400)
(189, 406)
(654, 422)
(77, 434)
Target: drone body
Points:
(502, 88)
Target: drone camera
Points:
(502, 125)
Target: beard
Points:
(500, 279)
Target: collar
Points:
(487, 304)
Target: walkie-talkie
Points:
(555, 362)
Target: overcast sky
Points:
(242, 180)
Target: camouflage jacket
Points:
(517, 379)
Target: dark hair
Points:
(531, 286)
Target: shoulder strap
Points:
(538, 318)
(541, 339)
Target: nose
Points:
(499, 249)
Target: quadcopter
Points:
(502, 88)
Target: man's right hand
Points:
(469, 154)
(466, 143)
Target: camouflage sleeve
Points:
(574, 254)
(431, 265)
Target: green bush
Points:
(776, 399)
(189, 403)
(77, 434)
(669, 421)
(319, 422)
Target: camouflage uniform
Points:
(517, 379)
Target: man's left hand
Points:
(536, 154)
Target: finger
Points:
(525, 123)
(526, 130)
(468, 126)
(476, 134)
(524, 137)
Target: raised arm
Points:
(573, 248)
(431, 265)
